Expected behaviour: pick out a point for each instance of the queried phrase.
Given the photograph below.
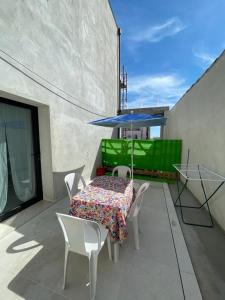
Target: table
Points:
(107, 200)
(197, 172)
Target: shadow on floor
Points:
(32, 258)
(206, 247)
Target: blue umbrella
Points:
(125, 121)
(130, 121)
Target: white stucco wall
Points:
(73, 45)
(199, 120)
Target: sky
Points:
(167, 45)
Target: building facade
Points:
(142, 133)
(59, 70)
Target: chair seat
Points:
(90, 238)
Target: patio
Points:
(206, 247)
(32, 256)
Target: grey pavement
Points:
(206, 247)
(32, 256)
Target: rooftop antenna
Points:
(123, 89)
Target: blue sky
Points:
(167, 45)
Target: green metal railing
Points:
(148, 154)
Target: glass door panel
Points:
(18, 161)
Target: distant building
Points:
(143, 133)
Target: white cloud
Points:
(155, 90)
(205, 59)
(158, 32)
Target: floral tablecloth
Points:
(106, 200)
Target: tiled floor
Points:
(31, 259)
(206, 247)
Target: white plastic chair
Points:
(87, 238)
(134, 211)
(72, 181)
(122, 171)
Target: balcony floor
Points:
(206, 247)
(32, 255)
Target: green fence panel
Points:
(148, 154)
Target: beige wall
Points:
(199, 120)
(73, 45)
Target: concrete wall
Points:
(69, 52)
(199, 120)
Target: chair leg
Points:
(139, 229)
(136, 232)
(93, 263)
(65, 266)
(109, 247)
(116, 252)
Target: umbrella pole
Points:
(132, 152)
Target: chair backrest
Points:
(136, 205)
(72, 182)
(79, 232)
(122, 171)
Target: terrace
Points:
(32, 257)
(32, 244)
(62, 73)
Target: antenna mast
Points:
(123, 89)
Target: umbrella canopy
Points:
(136, 120)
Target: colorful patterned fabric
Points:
(106, 200)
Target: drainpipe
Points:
(118, 68)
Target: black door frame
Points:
(37, 160)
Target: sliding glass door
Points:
(20, 183)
